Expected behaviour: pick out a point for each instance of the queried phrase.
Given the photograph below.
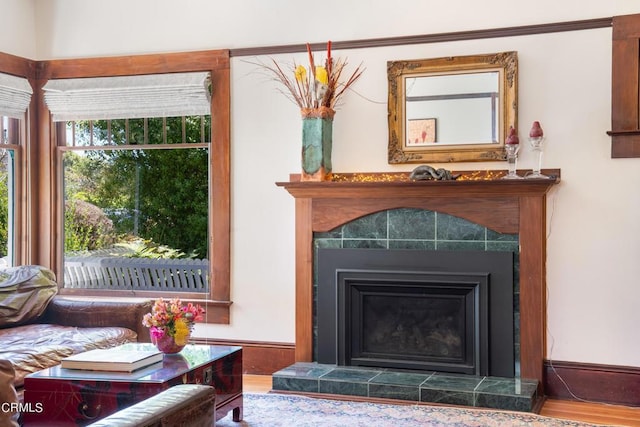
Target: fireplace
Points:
(515, 207)
(443, 311)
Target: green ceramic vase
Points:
(317, 138)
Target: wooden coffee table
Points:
(78, 397)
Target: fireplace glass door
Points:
(412, 321)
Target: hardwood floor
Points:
(256, 383)
(596, 413)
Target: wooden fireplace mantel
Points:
(506, 206)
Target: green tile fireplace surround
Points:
(479, 212)
(416, 229)
(420, 230)
(424, 387)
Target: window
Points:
(135, 169)
(136, 205)
(15, 96)
(9, 152)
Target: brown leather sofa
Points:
(39, 328)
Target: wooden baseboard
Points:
(619, 385)
(259, 358)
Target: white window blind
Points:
(129, 97)
(15, 96)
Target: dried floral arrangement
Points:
(316, 86)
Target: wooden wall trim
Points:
(524, 30)
(17, 66)
(258, 357)
(135, 64)
(619, 385)
(625, 83)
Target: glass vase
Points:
(167, 344)
(512, 158)
(537, 146)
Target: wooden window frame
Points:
(48, 249)
(23, 196)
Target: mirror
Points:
(452, 109)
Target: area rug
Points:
(261, 410)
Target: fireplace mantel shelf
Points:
(493, 203)
(378, 184)
(506, 206)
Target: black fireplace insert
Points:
(445, 311)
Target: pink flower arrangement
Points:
(172, 318)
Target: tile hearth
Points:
(427, 387)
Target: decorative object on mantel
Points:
(426, 172)
(536, 138)
(317, 142)
(171, 322)
(512, 146)
(316, 91)
(405, 178)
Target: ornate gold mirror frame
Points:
(452, 109)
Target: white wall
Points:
(17, 28)
(564, 82)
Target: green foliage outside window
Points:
(86, 227)
(157, 195)
(4, 213)
(5, 203)
(148, 249)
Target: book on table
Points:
(114, 359)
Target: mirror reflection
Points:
(451, 109)
(435, 104)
